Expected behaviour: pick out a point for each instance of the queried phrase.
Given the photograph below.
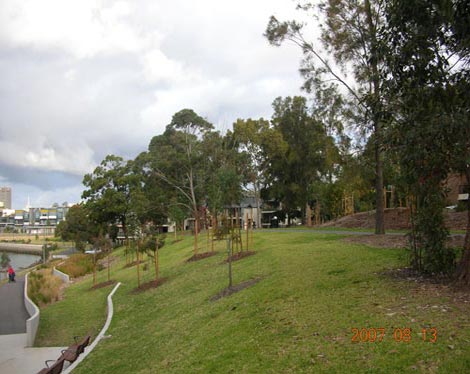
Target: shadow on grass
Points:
(102, 284)
(201, 256)
(148, 286)
(240, 255)
(234, 289)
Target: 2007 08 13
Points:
(377, 334)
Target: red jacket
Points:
(10, 270)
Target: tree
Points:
(350, 36)
(108, 197)
(77, 227)
(176, 159)
(249, 136)
(301, 159)
(428, 67)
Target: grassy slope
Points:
(315, 288)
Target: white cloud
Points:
(81, 79)
(82, 28)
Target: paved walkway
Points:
(14, 357)
(13, 314)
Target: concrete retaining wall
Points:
(35, 249)
(65, 277)
(32, 323)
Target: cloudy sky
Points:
(83, 79)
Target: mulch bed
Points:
(201, 256)
(240, 255)
(395, 241)
(234, 289)
(435, 285)
(131, 264)
(103, 284)
(147, 286)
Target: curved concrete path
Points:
(14, 357)
(13, 314)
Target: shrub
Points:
(77, 265)
(43, 287)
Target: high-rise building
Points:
(5, 197)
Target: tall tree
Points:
(77, 227)
(176, 159)
(108, 192)
(250, 136)
(428, 66)
(350, 36)
(302, 160)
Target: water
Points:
(20, 261)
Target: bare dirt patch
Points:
(103, 284)
(201, 256)
(435, 286)
(395, 241)
(240, 255)
(148, 286)
(234, 289)
(395, 219)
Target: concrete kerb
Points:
(100, 335)
(63, 276)
(32, 323)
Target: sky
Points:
(83, 79)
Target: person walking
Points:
(11, 274)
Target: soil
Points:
(435, 285)
(131, 264)
(234, 289)
(395, 219)
(395, 241)
(201, 256)
(240, 255)
(103, 284)
(148, 286)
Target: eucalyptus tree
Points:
(300, 157)
(77, 227)
(176, 158)
(249, 136)
(108, 193)
(350, 37)
(428, 70)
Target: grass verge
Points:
(298, 318)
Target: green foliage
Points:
(4, 260)
(430, 133)
(77, 265)
(77, 227)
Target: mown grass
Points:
(297, 319)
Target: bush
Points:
(43, 287)
(77, 265)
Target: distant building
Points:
(5, 197)
(41, 221)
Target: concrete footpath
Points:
(14, 357)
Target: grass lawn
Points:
(314, 290)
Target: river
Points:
(20, 261)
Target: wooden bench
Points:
(71, 353)
(55, 368)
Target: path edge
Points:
(32, 323)
(100, 335)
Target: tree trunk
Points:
(308, 215)
(138, 266)
(379, 191)
(463, 270)
(156, 262)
